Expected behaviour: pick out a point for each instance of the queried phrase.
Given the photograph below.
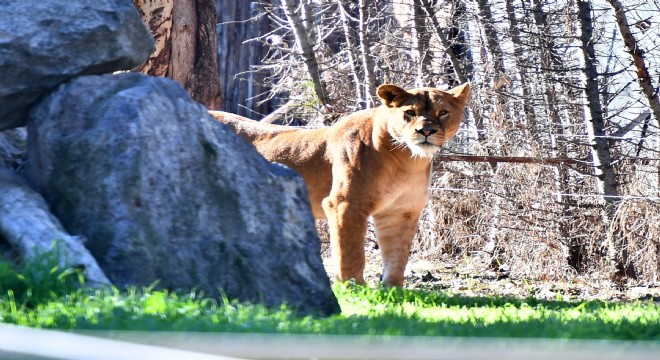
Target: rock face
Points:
(46, 42)
(164, 192)
(13, 145)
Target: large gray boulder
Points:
(45, 42)
(164, 192)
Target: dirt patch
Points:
(468, 277)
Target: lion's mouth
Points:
(426, 143)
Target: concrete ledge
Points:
(93, 345)
(24, 343)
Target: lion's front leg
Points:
(348, 229)
(394, 233)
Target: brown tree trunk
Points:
(186, 46)
(499, 72)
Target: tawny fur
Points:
(373, 162)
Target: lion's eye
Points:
(443, 112)
(411, 112)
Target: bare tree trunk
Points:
(518, 54)
(547, 62)
(439, 31)
(600, 149)
(497, 60)
(351, 49)
(637, 53)
(492, 39)
(303, 41)
(185, 46)
(424, 67)
(574, 248)
(497, 113)
(365, 50)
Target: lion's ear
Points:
(392, 95)
(461, 92)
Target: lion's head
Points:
(423, 119)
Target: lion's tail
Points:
(247, 128)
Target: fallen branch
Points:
(277, 114)
(29, 227)
(622, 131)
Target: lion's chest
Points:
(407, 191)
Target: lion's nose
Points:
(426, 132)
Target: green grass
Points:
(365, 312)
(37, 279)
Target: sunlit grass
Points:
(365, 311)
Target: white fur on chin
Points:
(426, 151)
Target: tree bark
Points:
(638, 59)
(548, 61)
(186, 46)
(600, 149)
(27, 224)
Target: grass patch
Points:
(37, 279)
(366, 311)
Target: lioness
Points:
(374, 162)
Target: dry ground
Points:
(467, 277)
